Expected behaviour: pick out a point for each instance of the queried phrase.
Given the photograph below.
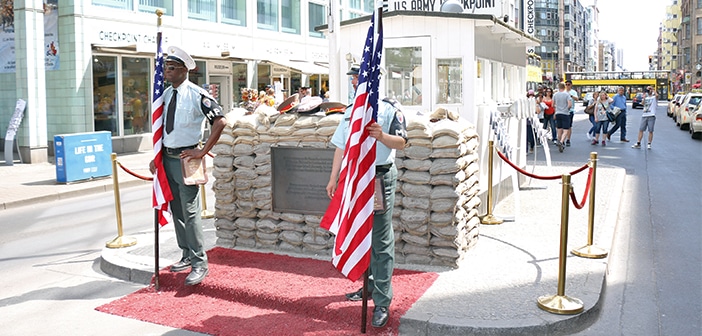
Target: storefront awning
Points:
(308, 68)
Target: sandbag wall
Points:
(435, 216)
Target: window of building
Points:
(404, 67)
(105, 93)
(450, 81)
(699, 26)
(205, 10)
(150, 6)
(234, 12)
(290, 16)
(135, 95)
(699, 4)
(699, 51)
(267, 14)
(318, 17)
(120, 4)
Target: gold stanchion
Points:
(120, 241)
(490, 219)
(560, 303)
(205, 214)
(591, 251)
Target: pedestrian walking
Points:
(549, 111)
(562, 102)
(573, 98)
(602, 105)
(187, 106)
(648, 118)
(619, 100)
(391, 134)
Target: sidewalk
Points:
(495, 290)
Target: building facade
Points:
(100, 76)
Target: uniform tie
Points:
(170, 114)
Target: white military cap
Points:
(179, 55)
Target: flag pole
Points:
(364, 306)
(157, 227)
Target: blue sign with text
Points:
(83, 156)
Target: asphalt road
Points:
(654, 283)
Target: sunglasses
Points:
(172, 67)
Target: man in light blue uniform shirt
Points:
(620, 102)
(391, 134)
(186, 107)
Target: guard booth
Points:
(83, 156)
(472, 64)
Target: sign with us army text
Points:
(491, 7)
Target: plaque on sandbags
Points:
(300, 177)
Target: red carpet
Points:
(249, 293)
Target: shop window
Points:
(150, 6)
(450, 78)
(205, 10)
(267, 14)
(404, 74)
(318, 17)
(239, 70)
(264, 75)
(234, 12)
(105, 93)
(135, 95)
(290, 16)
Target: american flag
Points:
(162, 191)
(350, 212)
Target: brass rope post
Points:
(560, 303)
(489, 218)
(120, 241)
(205, 214)
(591, 251)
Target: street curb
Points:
(62, 195)
(122, 264)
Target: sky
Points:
(633, 26)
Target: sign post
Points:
(15, 122)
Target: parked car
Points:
(675, 103)
(683, 114)
(696, 123)
(637, 101)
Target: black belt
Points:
(176, 151)
(382, 169)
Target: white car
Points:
(696, 124)
(674, 103)
(683, 113)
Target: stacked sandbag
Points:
(435, 212)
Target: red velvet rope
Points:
(537, 176)
(587, 191)
(210, 154)
(145, 178)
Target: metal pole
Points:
(120, 241)
(205, 214)
(156, 251)
(560, 303)
(490, 218)
(591, 251)
(364, 306)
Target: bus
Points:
(534, 72)
(632, 81)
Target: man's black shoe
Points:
(182, 265)
(196, 276)
(380, 317)
(358, 295)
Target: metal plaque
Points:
(299, 180)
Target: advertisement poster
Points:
(7, 36)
